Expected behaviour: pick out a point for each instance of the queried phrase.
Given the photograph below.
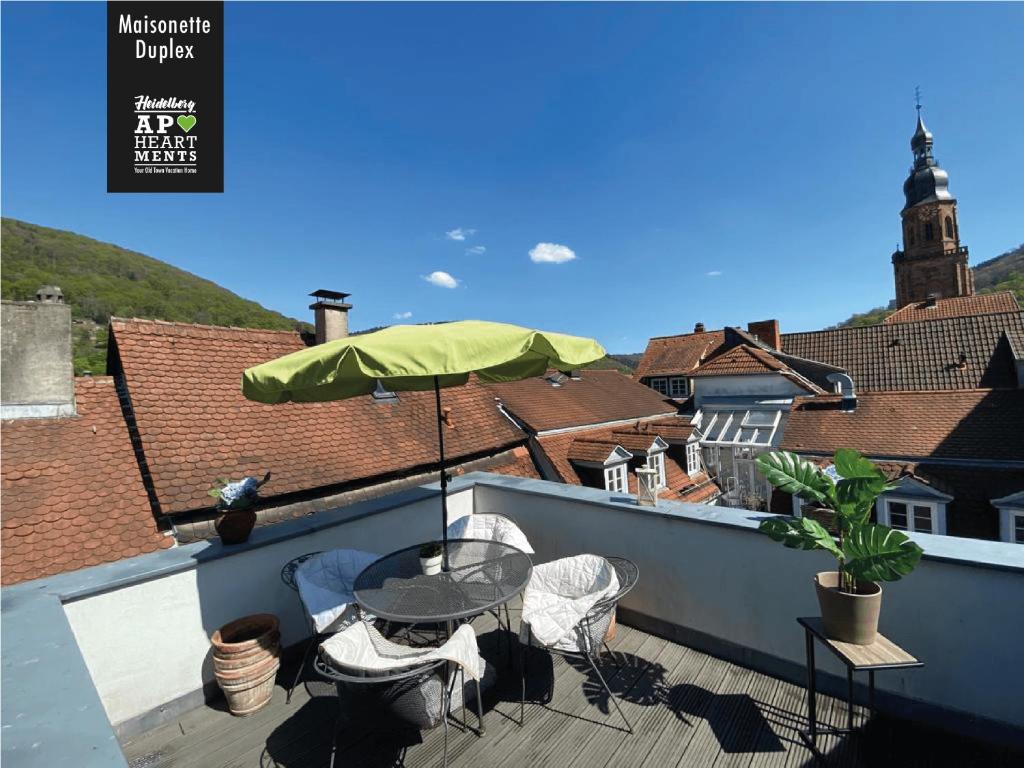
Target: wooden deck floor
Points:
(687, 708)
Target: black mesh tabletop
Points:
(481, 575)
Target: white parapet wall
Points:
(709, 571)
(148, 643)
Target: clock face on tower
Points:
(925, 214)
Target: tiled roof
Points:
(666, 355)
(634, 440)
(72, 492)
(195, 425)
(957, 306)
(521, 466)
(595, 445)
(740, 361)
(966, 425)
(952, 353)
(670, 430)
(598, 396)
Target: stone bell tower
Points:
(932, 263)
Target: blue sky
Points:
(715, 163)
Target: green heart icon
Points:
(186, 122)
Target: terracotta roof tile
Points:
(667, 355)
(72, 491)
(596, 444)
(951, 353)
(598, 396)
(195, 425)
(740, 361)
(966, 424)
(521, 466)
(957, 306)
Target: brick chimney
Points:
(37, 378)
(330, 313)
(698, 328)
(767, 331)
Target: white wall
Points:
(735, 584)
(148, 644)
(768, 385)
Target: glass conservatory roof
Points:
(739, 427)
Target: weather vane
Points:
(917, 98)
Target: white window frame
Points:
(657, 461)
(937, 511)
(1008, 523)
(616, 478)
(663, 382)
(1016, 518)
(684, 387)
(693, 458)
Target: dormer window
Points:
(692, 458)
(616, 478)
(677, 387)
(660, 385)
(656, 461)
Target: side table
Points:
(881, 654)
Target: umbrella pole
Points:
(444, 476)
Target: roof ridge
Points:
(201, 326)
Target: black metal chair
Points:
(589, 634)
(288, 577)
(419, 696)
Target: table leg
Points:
(849, 698)
(812, 708)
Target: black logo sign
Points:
(165, 97)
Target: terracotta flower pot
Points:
(246, 657)
(850, 618)
(234, 526)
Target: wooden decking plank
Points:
(713, 725)
(749, 732)
(784, 710)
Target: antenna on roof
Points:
(917, 99)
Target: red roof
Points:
(667, 355)
(957, 306)
(596, 397)
(595, 445)
(955, 424)
(743, 360)
(195, 425)
(72, 492)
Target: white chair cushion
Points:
(559, 595)
(325, 585)
(492, 528)
(360, 646)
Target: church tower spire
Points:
(932, 262)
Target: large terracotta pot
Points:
(234, 526)
(850, 618)
(246, 657)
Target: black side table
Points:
(881, 654)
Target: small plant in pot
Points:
(236, 502)
(866, 553)
(430, 558)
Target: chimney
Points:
(767, 331)
(845, 386)
(37, 379)
(330, 313)
(698, 328)
(931, 300)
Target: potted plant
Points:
(430, 558)
(235, 501)
(866, 553)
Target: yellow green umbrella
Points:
(417, 357)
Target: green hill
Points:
(100, 280)
(1003, 273)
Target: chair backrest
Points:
(288, 572)
(594, 626)
(490, 526)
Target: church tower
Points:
(932, 262)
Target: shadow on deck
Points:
(687, 709)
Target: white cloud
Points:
(714, 273)
(459, 233)
(441, 279)
(402, 315)
(551, 253)
(476, 250)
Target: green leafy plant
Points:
(865, 551)
(430, 549)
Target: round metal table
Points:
(481, 575)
